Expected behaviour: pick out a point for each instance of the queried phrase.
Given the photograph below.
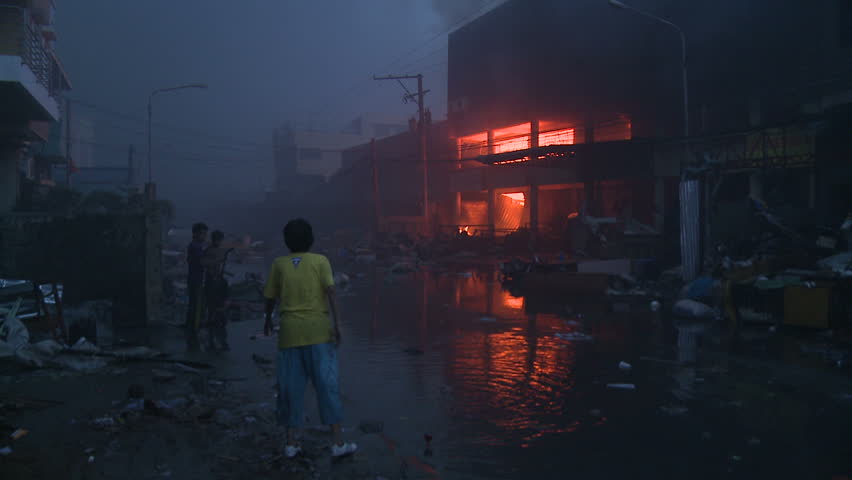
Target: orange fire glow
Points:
(556, 137)
(517, 160)
(518, 197)
(465, 229)
(573, 215)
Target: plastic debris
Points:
(691, 308)
(624, 366)
(5, 451)
(402, 268)
(163, 376)
(91, 459)
(12, 331)
(673, 411)
(655, 306)
(260, 360)
(621, 386)
(103, 422)
(371, 426)
(136, 391)
(753, 442)
(18, 434)
(48, 347)
(574, 337)
(84, 346)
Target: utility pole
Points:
(130, 167)
(68, 161)
(421, 133)
(375, 174)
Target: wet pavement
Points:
(451, 355)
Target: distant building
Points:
(306, 157)
(31, 83)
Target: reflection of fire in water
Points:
(514, 303)
(517, 197)
(573, 215)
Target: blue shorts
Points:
(295, 366)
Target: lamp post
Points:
(623, 6)
(150, 186)
(690, 239)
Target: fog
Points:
(266, 63)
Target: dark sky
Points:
(266, 62)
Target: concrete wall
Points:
(8, 179)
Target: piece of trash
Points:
(91, 459)
(753, 441)
(104, 422)
(674, 411)
(163, 376)
(18, 434)
(261, 360)
(90, 450)
(596, 413)
(691, 308)
(621, 386)
(136, 391)
(736, 458)
(487, 319)
(773, 328)
(84, 346)
(573, 323)
(371, 426)
(574, 337)
(402, 268)
(250, 419)
(655, 306)
(5, 451)
(624, 366)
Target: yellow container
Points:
(808, 307)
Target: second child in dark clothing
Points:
(216, 291)
(195, 282)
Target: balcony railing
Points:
(22, 37)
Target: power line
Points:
(460, 21)
(174, 129)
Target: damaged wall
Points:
(95, 257)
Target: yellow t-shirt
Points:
(299, 282)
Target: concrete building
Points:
(305, 158)
(31, 83)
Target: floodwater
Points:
(455, 356)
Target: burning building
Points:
(559, 110)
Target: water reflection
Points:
(512, 382)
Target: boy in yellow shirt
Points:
(303, 285)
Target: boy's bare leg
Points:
(336, 433)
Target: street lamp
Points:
(690, 244)
(150, 98)
(623, 6)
